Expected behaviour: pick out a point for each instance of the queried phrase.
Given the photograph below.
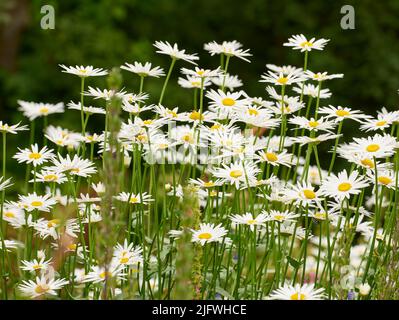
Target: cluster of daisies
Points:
(239, 176)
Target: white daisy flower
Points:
(344, 185)
(42, 286)
(249, 220)
(164, 47)
(84, 72)
(193, 82)
(127, 254)
(275, 158)
(208, 233)
(32, 201)
(86, 109)
(300, 42)
(132, 198)
(35, 265)
(33, 110)
(228, 48)
(340, 113)
(313, 91)
(281, 79)
(322, 76)
(237, 173)
(143, 70)
(34, 155)
(298, 292)
(75, 166)
(230, 81)
(13, 129)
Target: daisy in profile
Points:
(36, 265)
(297, 292)
(340, 113)
(63, 137)
(313, 91)
(249, 220)
(280, 216)
(33, 155)
(343, 186)
(281, 79)
(15, 216)
(312, 124)
(84, 72)
(229, 49)
(86, 109)
(132, 198)
(13, 129)
(275, 158)
(105, 94)
(75, 166)
(313, 174)
(208, 233)
(382, 122)
(202, 73)
(99, 274)
(49, 176)
(300, 42)
(193, 82)
(33, 110)
(322, 76)
(237, 173)
(385, 178)
(206, 184)
(166, 48)
(4, 184)
(231, 82)
(378, 146)
(320, 138)
(143, 70)
(42, 286)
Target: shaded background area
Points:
(107, 33)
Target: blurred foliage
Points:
(107, 33)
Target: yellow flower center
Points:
(36, 267)
(200, 72)
(373, 147)
(309, 194)
(381, 123)
(36, 203)
(298, 296)
(105, 274)
(270, 156)
(9, 214)
(368, 163)
(195, 83)
(213, 193)
(42, 288)
(53, 223)
(251, 221)
(187, 138)
(215, 127)
(205, 236)
(75, 170)
(313, 124)
(306, 44)
(384, 180)
(134, 200)
(282, 80)
(209, 184)
(195, 115)
(228, 102)
(148, 122)
(35, 155)
(44, 110)
(50, 177)
(124, 260)
(279, 217)
(320, 215)
(342, 113)
(71, 246)
(236, 173)
(344, 186)
(172, 113)
(253, 112)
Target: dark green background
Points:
(107, 33)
